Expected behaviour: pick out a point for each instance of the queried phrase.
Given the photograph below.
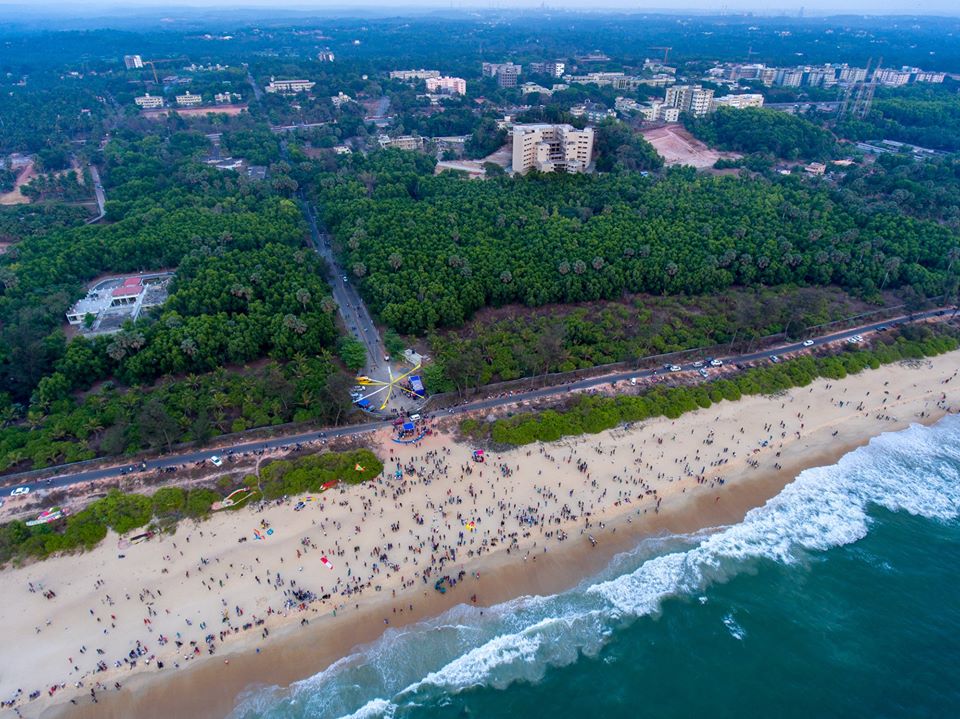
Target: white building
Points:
(148, 101)
(189, 100)
(505, 72)
(225, 98)
(529, 87)
(689, 98)
(592, 111)
(407, 75)
(738, 102)
(551, 148)
(132, 62)
(340, 99)
(553, 69)
(289, 87)
(449, 85)
(325, 56)
(403, 142)
(656, 111)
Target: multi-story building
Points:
(189, 100)
(922, 76)
(340, 99)
(132, 62)
(849, 75)
(408, 75)
(325, 56)
(600, 79)
(529, 87)
(551, 148)
(553, 69)
(738, 102)
(625, 104)
(506, 73)
(656, 111)
(449, 85)
(225, 98)
(592, 111)
(890, 77)
(289, 87)
(403, 142)
(148, 101)
(694, 99)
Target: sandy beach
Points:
(182, 623)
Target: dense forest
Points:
(925, 116)
(758, 129)
(246, 288)
(515, 342)
(430, 251)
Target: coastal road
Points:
(69, 477)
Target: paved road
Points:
(356, 317)
(189, 458)
(98, 191)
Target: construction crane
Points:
(153, 66)
(666, 52)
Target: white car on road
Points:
(217, 462)
(716, 363)
(808, 343)
(20, 490)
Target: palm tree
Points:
(395, 260)
(303, 297)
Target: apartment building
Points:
(340, 99)
(325, 56)
(553, 69)
(694, 99)
(890, 77)
(189, 100)
(289, 87)
(657, 111)
(408, 75)
(132, 62)
(529, 87)
(738, 102)
(448, 85)
(506, 73)
(592, 111)
(148, 101)
(551, 148)
(225, 98)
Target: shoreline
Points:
(209, 688)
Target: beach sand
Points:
(703, 470)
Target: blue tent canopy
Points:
(408, 426)
(364, 403)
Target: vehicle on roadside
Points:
(716, 363)
(808, 343)
(20, 490)
(698, 364)
(882, 328)
(216, 461)
(675, 368)
(774, 359)
(703, 373)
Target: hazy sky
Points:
(767, 7)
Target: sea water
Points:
(838, 598)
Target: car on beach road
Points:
(20, 490)
(216, 461)
(808, 343)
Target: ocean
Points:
(838, 598)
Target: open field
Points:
(15, 196)
(678, 147)
(193, 111)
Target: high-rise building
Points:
(553, 69)
(551, 148)
(132, 62)
(694, 99)
(451, 85)
(506, 73)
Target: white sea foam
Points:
(914, 471)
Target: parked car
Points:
(216, 461)
(698, 364)
(716, 363)
(703, 372)
(774, 359)
(20, 490)
(675, 368)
